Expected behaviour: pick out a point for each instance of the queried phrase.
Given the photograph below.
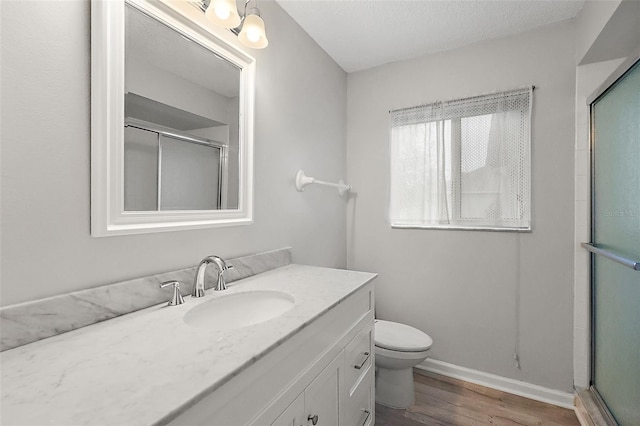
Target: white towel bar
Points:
(302, 181)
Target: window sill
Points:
(462, 228)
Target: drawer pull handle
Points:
(366, 357)
(366, 418)
(313, 419)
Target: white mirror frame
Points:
(107, 121)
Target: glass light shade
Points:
(223, 13)
(253, 34)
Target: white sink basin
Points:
(239, 310)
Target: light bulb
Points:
(222, 11)
(253, 34)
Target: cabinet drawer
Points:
(357, 406)
(358, 356)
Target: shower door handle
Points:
(629, 263)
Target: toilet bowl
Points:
(398, 349)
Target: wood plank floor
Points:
(443, 401)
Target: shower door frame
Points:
(167, 132)
(602, 90)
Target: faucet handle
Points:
(176, 299)
(221, 283)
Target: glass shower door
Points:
(616, 236)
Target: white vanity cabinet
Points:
(157, 368)
(324, 370)
(342, 394)
(319, 402)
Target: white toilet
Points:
(399, 348)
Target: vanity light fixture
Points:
(249, 27)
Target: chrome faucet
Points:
(198, 284)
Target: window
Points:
(463, 164)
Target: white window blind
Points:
(463, 163)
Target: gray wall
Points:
(46, 245)
(591, 21)
(464, 287)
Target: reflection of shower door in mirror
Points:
(616, 231)
(166, 171)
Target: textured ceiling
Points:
(360, 34)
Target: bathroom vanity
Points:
(312, 364)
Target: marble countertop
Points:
(146, 367)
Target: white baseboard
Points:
(516, 387)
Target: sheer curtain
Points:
(418, 176)
(463, 163)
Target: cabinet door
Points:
(357, 409)
(293, 415)
(322, 395)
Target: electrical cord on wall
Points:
(516, 348)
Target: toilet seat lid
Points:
(400, 337)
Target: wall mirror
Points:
(172, 121)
